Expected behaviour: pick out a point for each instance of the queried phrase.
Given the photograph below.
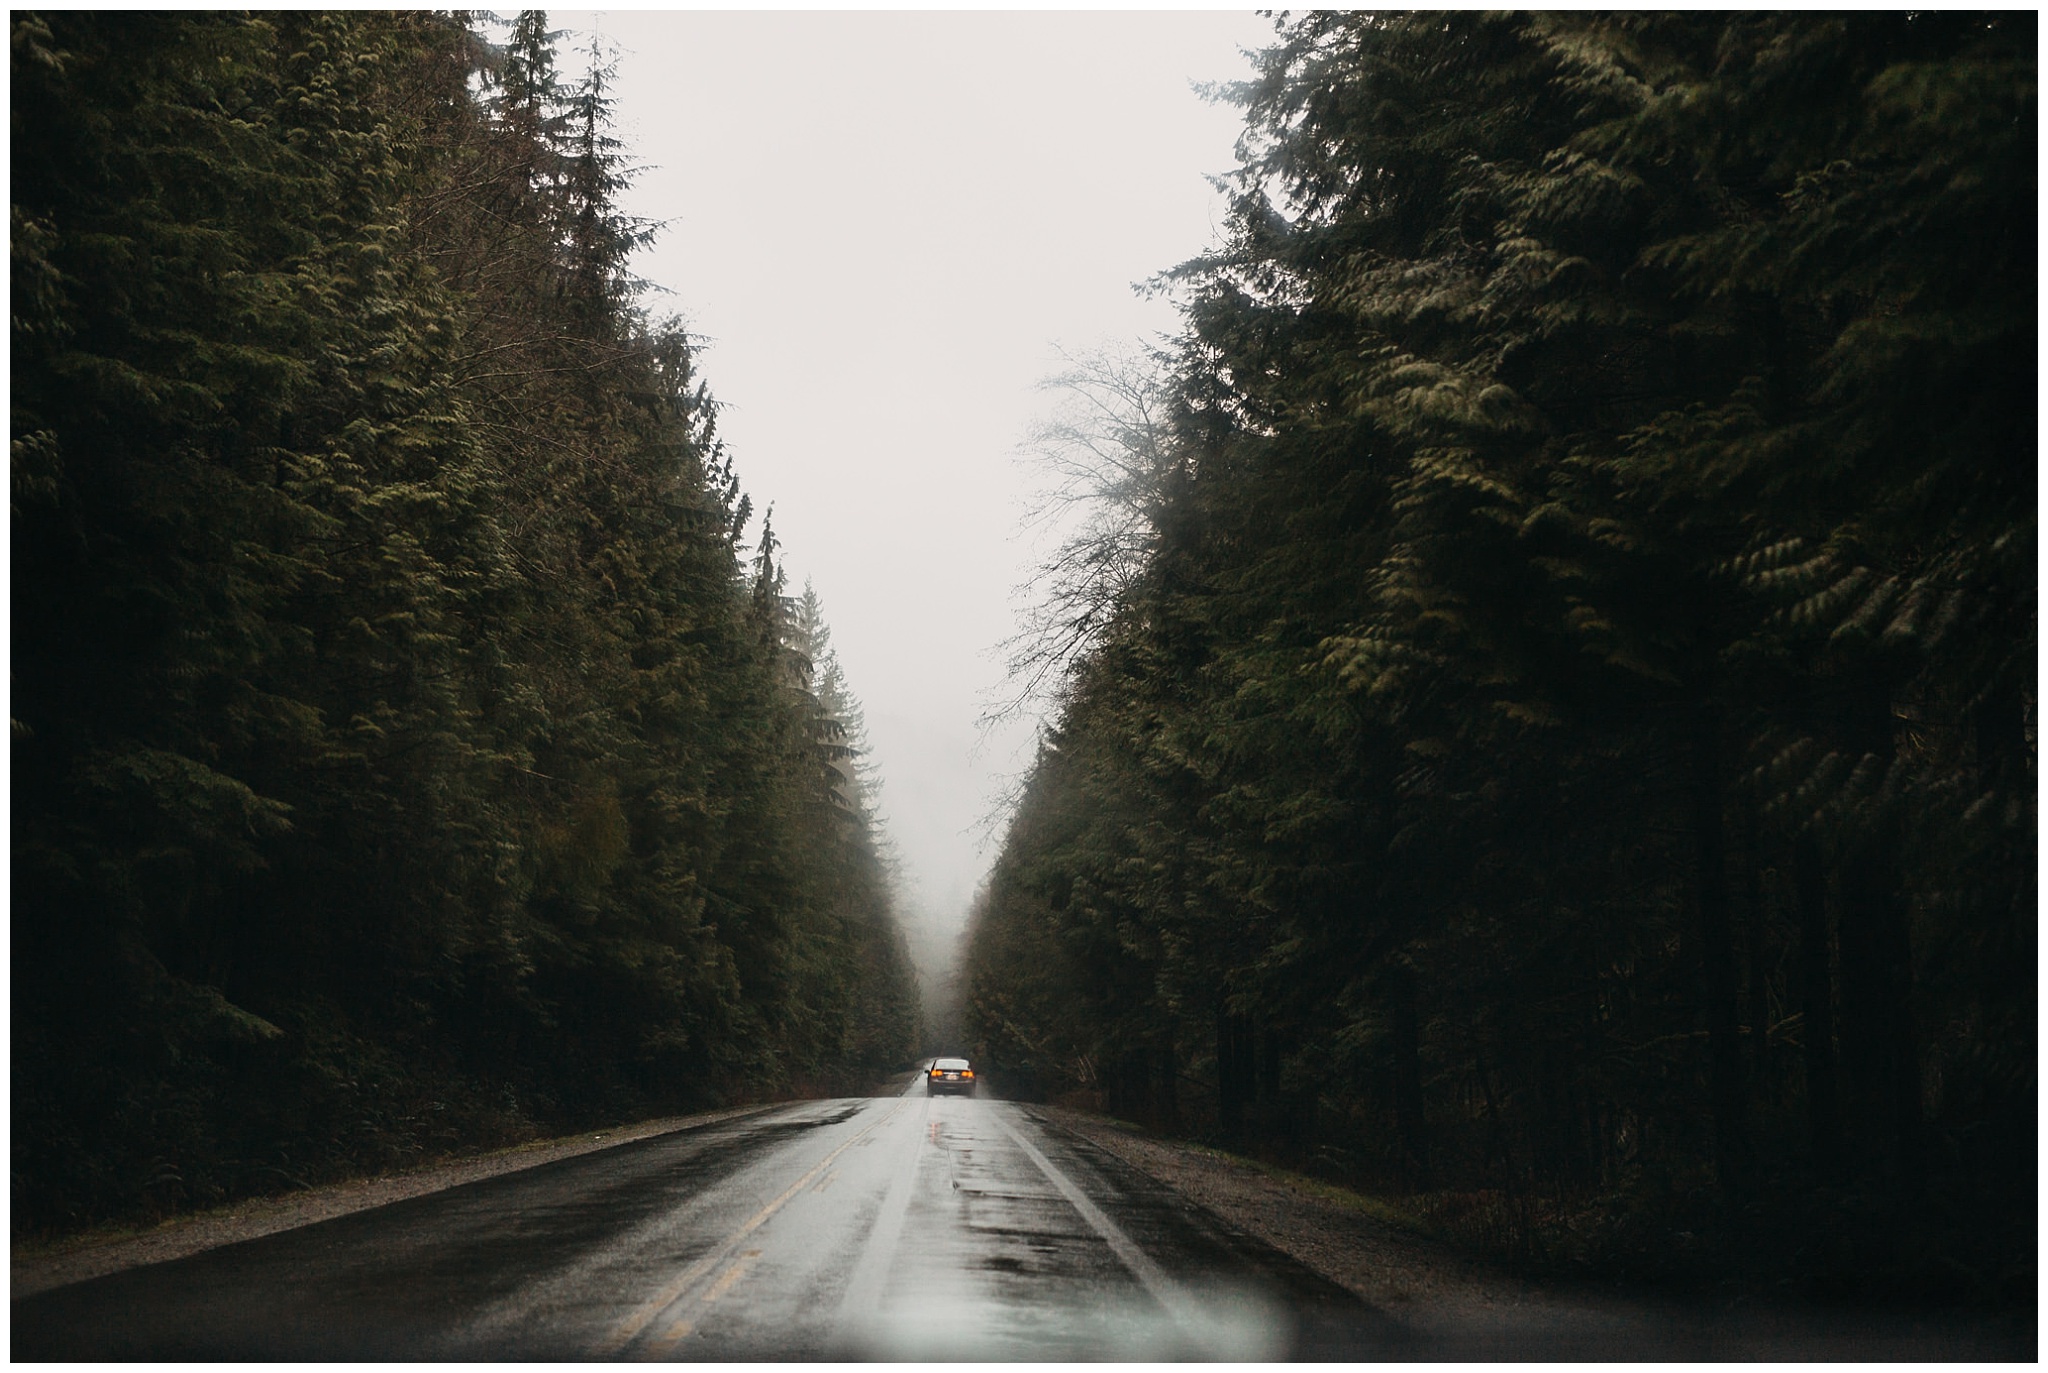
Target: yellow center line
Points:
(731, 1276)
(629, 1329)
(680, 1331)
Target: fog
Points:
(884, 227)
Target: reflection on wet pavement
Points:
(904, 1228)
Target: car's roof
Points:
(949, 1063)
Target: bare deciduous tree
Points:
(1105, 462)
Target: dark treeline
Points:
(1552, 728)
(410, 749)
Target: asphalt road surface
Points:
(891, 1228)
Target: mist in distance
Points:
(886, 227)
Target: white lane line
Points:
(863, 1298)
(629, 1329)
(1164, 1290)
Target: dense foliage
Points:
(408, 749)
(1568, 749)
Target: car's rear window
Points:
(952, 1063)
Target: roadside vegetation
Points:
(414, 744)
(1544, 699)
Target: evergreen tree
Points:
(406, 757)
(1540, 699)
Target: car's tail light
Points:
(968, 1073)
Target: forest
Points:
(1543, 696)
(415, 745)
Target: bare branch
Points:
(1106, 465)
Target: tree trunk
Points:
(1270, 1122)
(1233, 1055)
(1717, 950)
(1755, 937)
(1880, 1042)
(1817, 1005)
(1510, 1183)
(1906, 1104)
(1408, 1117)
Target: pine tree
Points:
(407, 755)
(1545, 637)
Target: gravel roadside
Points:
(1465, 1309)
(37, 1268)
(1426, 1285)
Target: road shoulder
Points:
(1382, 1258)
(77, 1258)
(1461, 1307)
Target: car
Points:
(949, 1075)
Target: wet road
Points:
(896, 1228)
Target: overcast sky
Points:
(883, 226)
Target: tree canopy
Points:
(1569, 749)
(409, 747)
